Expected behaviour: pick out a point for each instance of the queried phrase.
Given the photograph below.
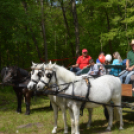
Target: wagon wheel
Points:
(106, 113)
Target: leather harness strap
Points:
(84, 102)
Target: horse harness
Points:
(78, 98)
(68, 84)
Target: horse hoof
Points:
(121, 128)
(27, 113)
(54, 131)
(88, 126)
(66, 132)
(19, 112)
(108, 129)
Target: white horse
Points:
(103, 90)
(55, 101)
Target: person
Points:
(102, 70)
(124, 62)
(97, 60)
(117, 61)
(81, 63)
(129, 65)
(94, 69)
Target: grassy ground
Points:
(41, 119)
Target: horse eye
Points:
(49, 75)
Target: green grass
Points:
(40, 112)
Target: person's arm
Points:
(127, 64)
(76, 65)
(89, 72)
(96, 69)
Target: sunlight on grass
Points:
(41, 114)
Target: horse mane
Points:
(65, 74)
(23, 72)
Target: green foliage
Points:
(103, 22)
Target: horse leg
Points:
(28, 99)
(72, 122)
(64, 119)
(121, 118)
(76, 112)
(90, 111)
(19, 99)
(110, 122)
(118, 113)
(55, 109)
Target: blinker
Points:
(49, 75)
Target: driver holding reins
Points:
(129, 65)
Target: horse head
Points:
(49, 76)
(55, 74)
(12, 73)
(36, 73)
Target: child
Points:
(117, 61)
(94, 70)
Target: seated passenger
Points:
(117, 61)
(129, 65)
(94, 69)
(82, 62)
(97, 60)
(124, 62)
(102, 70)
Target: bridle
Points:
(49, 76)
(34, 81)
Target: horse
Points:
(19, 78)
(103, 90)
(55, 101)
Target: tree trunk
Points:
(67, 28)
(33, 37)
(108, 29)
(0, 56)
(76, 26)
(43, 31)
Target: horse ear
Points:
(33, 63)
(50, 62)
(54, 66)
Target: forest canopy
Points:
(37, 30)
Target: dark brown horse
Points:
(19, 78)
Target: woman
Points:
(117, 61)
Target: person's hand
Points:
(84, 67)
(73, 66)
(130, 68)
(127, 68)
(100, 68)
(92, 73)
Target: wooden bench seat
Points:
(127, 90)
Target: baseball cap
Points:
(84, 50)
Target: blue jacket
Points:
(114, 71)
(97, 61)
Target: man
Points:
(82, 62)
(94, 70)
(129, 65)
